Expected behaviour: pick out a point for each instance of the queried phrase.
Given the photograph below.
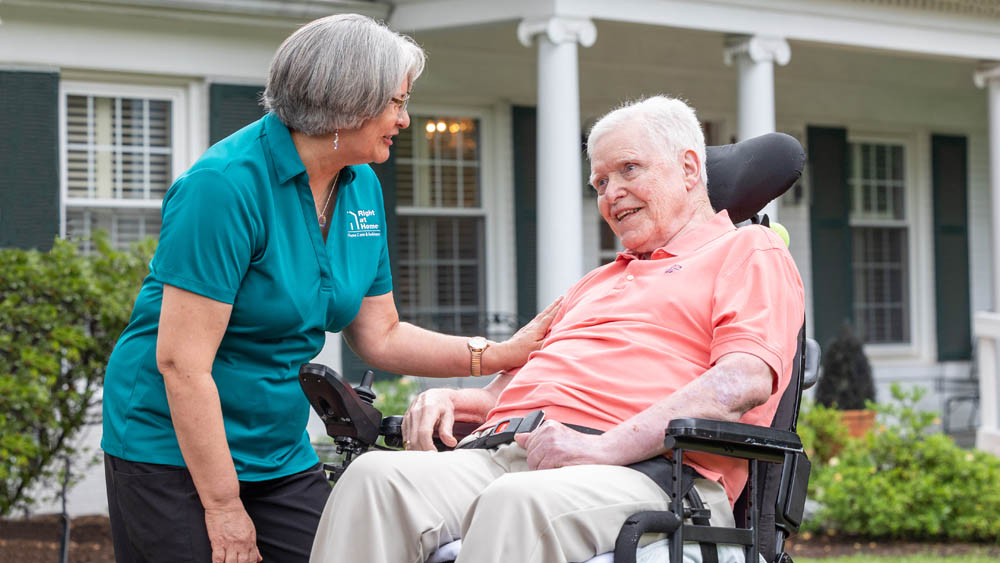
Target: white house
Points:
(897, 102)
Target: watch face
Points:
(477, 343)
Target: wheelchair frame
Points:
(744, 177)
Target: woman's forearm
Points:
(197, 417)
(409, 349)
(191, 327)
(383, 341)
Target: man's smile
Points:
(626, 212)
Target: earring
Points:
(336, 139)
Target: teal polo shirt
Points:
(240, 227)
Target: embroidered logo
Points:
(672, 269)
(359, 226)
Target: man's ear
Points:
(691, 166)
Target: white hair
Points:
(670, 121)
(338, 71)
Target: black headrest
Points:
(743, 177)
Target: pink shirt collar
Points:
(690, 241)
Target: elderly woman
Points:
(261, 252)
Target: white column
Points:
(755, 57)
(560, 194)
(987, 325)
(989, 78)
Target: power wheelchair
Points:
(743, 177)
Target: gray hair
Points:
(338, 71)
(670, 121)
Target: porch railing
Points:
(987, 331)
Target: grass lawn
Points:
(900, 559)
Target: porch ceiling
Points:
(955, 28)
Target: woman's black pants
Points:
(156, 514)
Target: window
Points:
(441, 218)
(119, 156)
(880, 230)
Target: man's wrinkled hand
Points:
(232, 534)
(433, 410)
(553, 445)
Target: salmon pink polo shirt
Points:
(633, 332)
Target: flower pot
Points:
(858, 422)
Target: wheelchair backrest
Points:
(742, 178)
(780, 488)
(745, 176)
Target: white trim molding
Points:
(988, 70)
(759, 49)
(558, 30)
(977, 8)
(264, 13)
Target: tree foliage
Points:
(61, 313)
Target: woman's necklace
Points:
(329, 195)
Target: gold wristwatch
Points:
(477, 344)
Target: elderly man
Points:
(695, 319)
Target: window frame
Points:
(916, 207)
(496, 206)
(176, 95)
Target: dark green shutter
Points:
(354, 368)
(29, 159)
(832, 280)
(525, 211)
(951, 247)
(231, 107)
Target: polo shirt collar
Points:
(690, 241)
(287, 162)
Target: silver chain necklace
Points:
(329, 195)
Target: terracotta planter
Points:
(857, 421)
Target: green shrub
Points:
(60, 315)
(823, 435)
(393, 396)
(903, 482)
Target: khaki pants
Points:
(398, 507)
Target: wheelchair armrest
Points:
(733, 439)
(338, 404)
(392, 428)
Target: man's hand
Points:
(231, 532)
(554, 445)
(513, 352)
(433, 410)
